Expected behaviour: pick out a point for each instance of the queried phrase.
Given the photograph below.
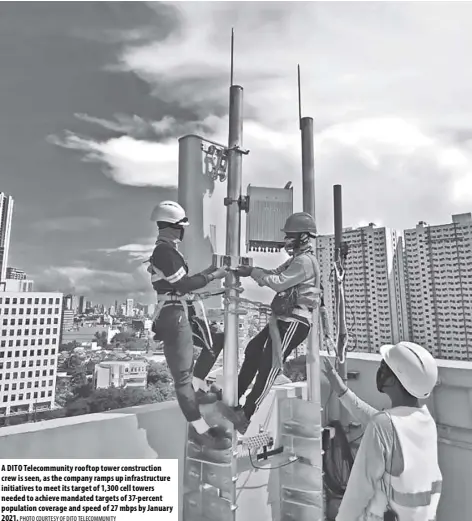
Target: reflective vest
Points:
(414, 495)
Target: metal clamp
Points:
(243, 202)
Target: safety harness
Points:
(196, 299)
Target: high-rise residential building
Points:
(29, 343)
(376, 309)
(15, 273)
(129, 307)
(67, 320)
(6, 214)
(67, 302)
(439, 281)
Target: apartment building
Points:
(29, 342)
(6, 215)
(438, 263)
(114, 373)
(375, 293)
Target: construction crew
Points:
(296, 283)
(171, 324)
(396, 475)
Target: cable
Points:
(337, 463)
(270, 468)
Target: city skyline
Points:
(99, 150)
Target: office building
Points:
(15, 273)
(129, 307)
(18, 285)
(375, 293)
(6, 214)
(438, 263)
(29, 343)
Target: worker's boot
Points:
(238, 418)
(214, 394)
(217, 390)
(204, 398)
(216, 438)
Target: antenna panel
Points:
(269, 208)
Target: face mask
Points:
(290, 244)
(383, 374)
(173, 234)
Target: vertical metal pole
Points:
(233, 244)
(308, 183)
(341, 325)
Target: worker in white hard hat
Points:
(171, 323)
(396, 475)
(297, 286)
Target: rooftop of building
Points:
(142, 432)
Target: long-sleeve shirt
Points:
(301, 271)
(172, 271)
(375, 452)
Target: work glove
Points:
(219, 273)
(243, 271)
(208, 270)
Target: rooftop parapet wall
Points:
(143, 432)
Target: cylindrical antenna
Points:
(299, 100)
(232, 55)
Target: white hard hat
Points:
(169, 212)
(414, 367)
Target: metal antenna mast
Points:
(232, 57)
(299, 100)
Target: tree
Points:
(295, 369)
(159, 377)
(79, 384)
(63, 391)
(122, 338)
(70, 346)
(73, 363)
(101, 338)
(112, 398)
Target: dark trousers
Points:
(209, 353)
(173, 328)
(258, 361)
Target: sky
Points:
(94, 96)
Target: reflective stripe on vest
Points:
(415, 494)
(416, 499)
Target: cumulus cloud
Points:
(387, 85)
(128, 161)
(380, 141)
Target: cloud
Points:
(380, 141)
(139, 252)
(67, 224)
(85, 281)
(385, 83)
(126, 160)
